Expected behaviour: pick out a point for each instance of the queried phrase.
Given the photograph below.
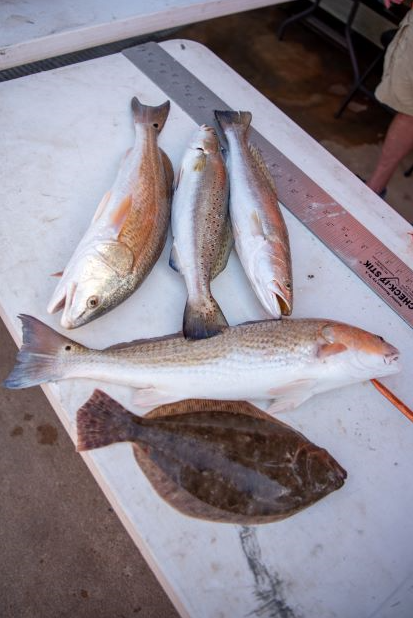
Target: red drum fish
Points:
(286, 361)
(128, 231)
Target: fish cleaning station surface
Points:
(65, 133)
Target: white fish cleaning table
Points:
(64, 134)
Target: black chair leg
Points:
(294, 18)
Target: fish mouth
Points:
(284, 304)
(281, 298)
(392, 357)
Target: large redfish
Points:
(128, 231)
(286, 360)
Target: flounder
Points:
(223, 461)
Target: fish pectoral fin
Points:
(329, 349)
(101, 207)
(120, 215)
(126, 155)
(58, 274)
(149, 397)
(174, 261)
(257, 227)
(291, 395)
(200, 163)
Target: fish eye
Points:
(288, 285)
(199, 148)
(92, 302)
(381, 338)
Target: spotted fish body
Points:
(286, 361)
(200, 227)
(260, 233)
(127, 233)
(223, 461)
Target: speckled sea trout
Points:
(201, 231)
(287, 361)
(128, 231)
(223, 461)
(260, 233)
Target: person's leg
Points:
(397, 144)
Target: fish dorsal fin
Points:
(250, 322)
(257, 156)
(120, 214)
(224, 252)
(174, 261)
(178, 178)
(168, 169)
(130, 344)
(101, 207)
(200, 163)
(188, 406)
(117, 256)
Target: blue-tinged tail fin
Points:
(43, 357)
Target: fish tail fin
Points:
(235, 121)
(203, 319)
(150, 115)
(102, 421)
(43, 356)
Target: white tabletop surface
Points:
(32, 30)
(63, 135)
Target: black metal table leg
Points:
(349, 39)
(297, 17)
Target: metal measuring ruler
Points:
(358, 248)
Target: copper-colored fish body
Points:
(217, 460)
(128, 230)
(260, 233)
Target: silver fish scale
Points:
(279, 343)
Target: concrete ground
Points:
(64, 553)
